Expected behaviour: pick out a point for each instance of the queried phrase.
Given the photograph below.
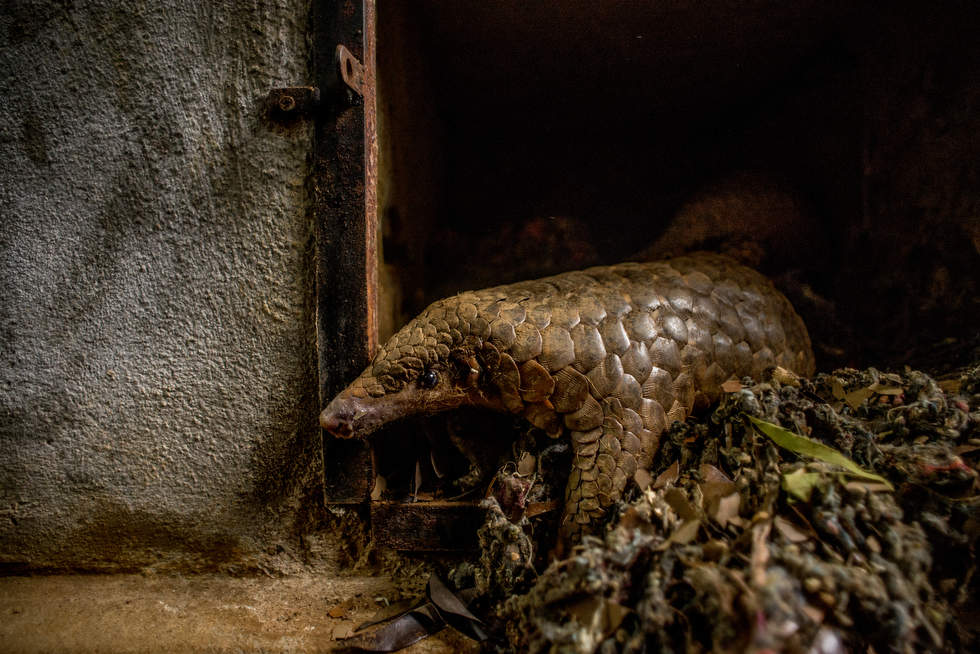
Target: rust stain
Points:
(344, 203)
(369, 92)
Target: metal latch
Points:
(350, 70)
(288, 104)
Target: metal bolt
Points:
(290, 103)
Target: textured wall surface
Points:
(157, 363)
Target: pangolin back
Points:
(610, 355)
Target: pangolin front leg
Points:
(608, 356)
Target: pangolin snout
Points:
(350, 415)
(336, 423)
(340, 416)
(354, 414)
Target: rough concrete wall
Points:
(157, 371)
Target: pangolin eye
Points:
(428, 379)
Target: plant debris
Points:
(827, 515)
(835, 514)
(396, 630)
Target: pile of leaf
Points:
(828, 515)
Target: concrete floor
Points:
(136, 613)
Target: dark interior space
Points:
(524, 140)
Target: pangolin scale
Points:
(609, 356)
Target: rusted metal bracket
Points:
(291, 103)
(350, 70)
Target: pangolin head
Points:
(436, 362)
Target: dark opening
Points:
(524, 139)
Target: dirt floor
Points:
(137, 613)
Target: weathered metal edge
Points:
(344, 205)
(345, 209)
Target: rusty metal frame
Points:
(345, 210)
(345, 170)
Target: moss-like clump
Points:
(734, 543)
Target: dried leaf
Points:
(732, 386)
(789, 530)
(446, 600)
(527, 465)
(854, 399)
(836, 388)
(453, 610)
(882, 389)
(678, 501)
(642, 478)
(785, 377)
(668, 476)
(388, 612)
(685, 533)
(380, 486)
(599, 614)
(725, 509)
(713, 491)
(892, 377)
(537, 508)
(716, 485)
(404, 630)
(710, 473)
(804, 446)
(616, 613)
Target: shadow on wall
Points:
(157, 357)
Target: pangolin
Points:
(608, 356)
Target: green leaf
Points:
(806, 447)
(800, 483)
